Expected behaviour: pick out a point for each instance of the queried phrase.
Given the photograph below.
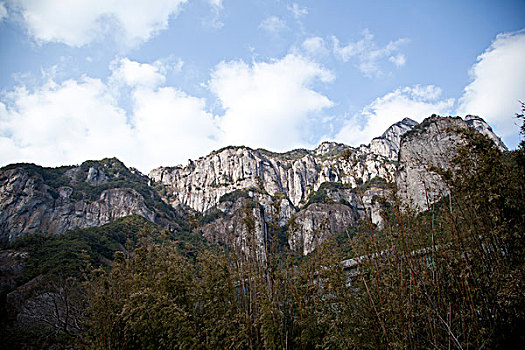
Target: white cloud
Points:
(3, 11)
(498, 84)
(215, 3)
(269, 104)
(214, 21)
(399, 60)
(369, 54)
(315, 46)
(416, 102)
(273, 25)
(75, 120)
(297, 11)
(79, 22)
(136, 74)
(62, 123)
(171, 126)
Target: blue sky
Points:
(160, 81)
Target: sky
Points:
(158, 82)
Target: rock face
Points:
(51, 201)
(315, 224)
(429, 146)
(244, 197)
(296, 174)
(293, 178)
(388, 144)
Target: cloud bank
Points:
(498, 84)
(266, 104)
(417, 103)
(269, 104)
(79, 22)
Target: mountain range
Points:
(233, 195)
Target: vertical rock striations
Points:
(427, 148)
(243, 196)
(34, 199)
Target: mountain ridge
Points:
(237, 183)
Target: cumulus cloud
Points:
(269, 104)
(78, 22)
(137, 74)
(273, 25)
(3, 11)
(62, 122)
(68, 122)
(171, 126)
(297, 11)
(498, 84)
(417, 103)
(368, 54)
(314, 46)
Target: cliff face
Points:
(296, 174)
(53, 200)
(323, 191)
(296, 180)
(428, 147)
(243, 197)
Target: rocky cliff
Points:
(318, 192)
(240, 196)
(429, 148)
(296, 174)
(34, 199)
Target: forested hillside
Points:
(451, 276)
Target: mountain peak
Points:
(480, 125)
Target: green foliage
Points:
(210, 216)
(452, 276)
(68, 254)
(321, 195)
(233, 196)
(377, 181)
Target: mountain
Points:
(244, 197)
(427, 150)
(313, 194)
(35, 199)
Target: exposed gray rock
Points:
(425, 149)
(296, 174)
(480, 125)
(27, 206)
(32, 200)
(312, 226)
(243, 228)
(387, 145)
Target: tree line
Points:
(450, 277)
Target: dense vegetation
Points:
(58, 266)
(451, 277)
